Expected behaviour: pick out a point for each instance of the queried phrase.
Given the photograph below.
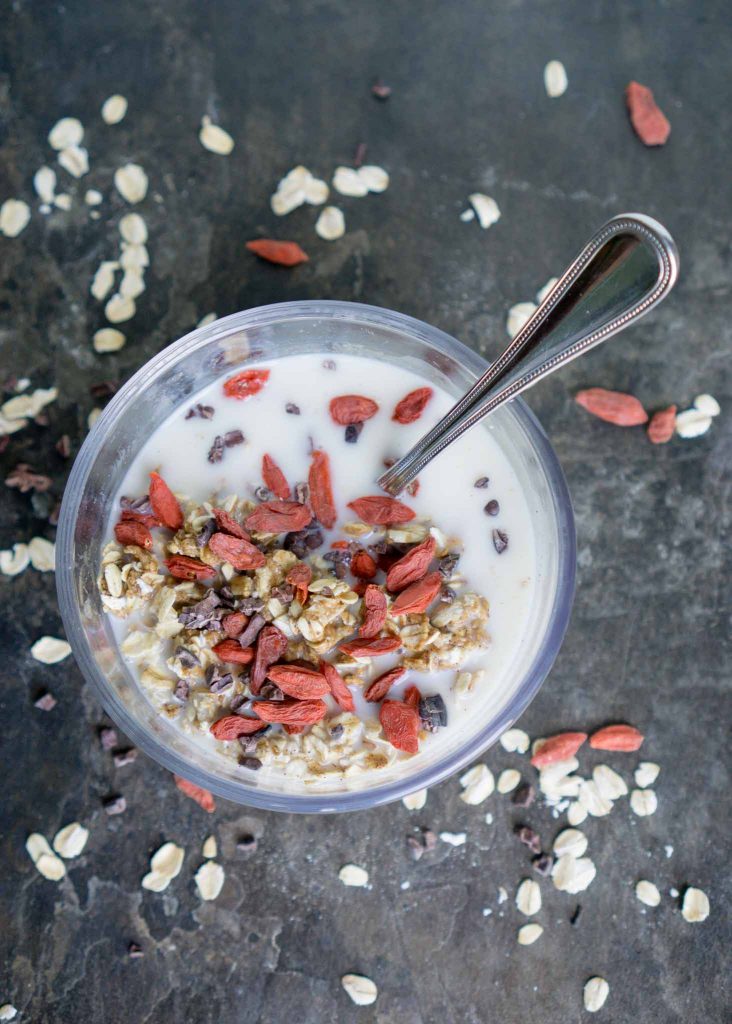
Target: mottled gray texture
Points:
(647, 640)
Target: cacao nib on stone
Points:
(360, 155)
(53, 515)
(187, 658)
(182, 690)
(424, 842)
(263, 494)
(205, 614)
(574, 917)
(216, 451)
(292, 409)
(543, 863)
(432, 712)
(63, 446)
(481, 482)
(528, 837)
(115, 805)
(353, 432)
(206, 533)
(253, 763)
(524, 795)
(103, 390)
(251, 630)
(247, 843)
(108, 737)
(25, 479)
(134, 951)
(380, 90)
(446, 565)
(500, 541)
(46, 702)
(415, 848)
(233, 438)
(125, 757)
(492, 508)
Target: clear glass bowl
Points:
(170, 379)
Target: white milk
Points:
(447, 495)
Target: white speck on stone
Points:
(502, 895)
(209, 318)
(573, 874)
(119, 309)
(576, 813)
(214, 138)
(528, 897)
(529, 933)
(62, 201)
(132, 284)
(673, 893)
(103, 280)
(543, 292)
(508, 780)
(70, 840)
(14, 560)
(595, 993)
(467, 215)
(210, 847)
(415, 801)
(69, 131)
(131, 182)
(210, 879)
(518, 315)
(331, 223)
(375, 178)
(114, 109)
(609, 784)
(669, 851)
(692, 423)
(405, 885)
(515, 741)
(486, 209)
(108, 339)
(93, 197)
(647, 893)
(8, 1012)
(44, 182)
(487, 911)
(646, 774)
(707, 404)
(133, 229)
(75, 160)
(590, 797)
(453, 838)
(349, 182)
(93, 417)
(42, 554)
(489, 818)
(695, 907)
(571, 842)
(50, 650)
(643, 802)
(362, 990)
(555, 79)
(14, 216)
(352, 874)
(478, 784)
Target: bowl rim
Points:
(240, 792)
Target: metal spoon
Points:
(625, 269)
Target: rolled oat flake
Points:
(415, 801)
(14, 216)
(647, 893)
(529, 933)
(362, 990)
(8, 1012)
(210, 879)
(555, 79)
(643, 802)
(528, 897)
(515, 741)
(595, 993)
(69, 131)
(70, 840)
(331, 223)
(131, 182)
(108, 339)
(695, 907)
(353, 875)
(50, 650)
(114, 109)
(214, 138)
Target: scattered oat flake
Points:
(133, 229)
(14, 561)
(103, 280)
(508, 780)
(515, 741)
(486, 209)
(291, 191)
(555, 79)
(28, 406)
(70, 840)
(570, 843)
(518, 315)
(210, 879)
(62, 201)
(528, 897)
(44, 182)
(453, 838)
(352, 874)
(478, 784)
(42, 554)
(362, 990)
(132, 284)
(610, 785)
(331, 223)
(415, 801)
(75, 160)
(120, 309)
(467, 215)
(707, 404)
(8, 1012)
(647, 893)
(692, 423)
(69, 131)
(590, 797)
(573, 874)
(375, 178)
(348, 182)
(51, 867)
(108, 339)
(114, 109)
(643, 802)
(695, 906)
(14, 216)
(93, 417)
(36, 845)
(529, 933)
(165, 865)
(209, 318)
(50, 650)
(210, 847)
(93, 197)
(595, 993)
(131, 182)
(214, 138)
(646, 774)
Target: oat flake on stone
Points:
(486, 209)
(555, 79)
(453, 838)
(590, 797)
(93, 417)
(14, 561)
(571, 842)
(467, 215)
(28, 406)
(50, 650)
(44, 182)
(14, 216)
(132, 284)
(131, 182)
(595, 993)
(108, 339)
(415, 801)
(51, 867)
(348, 182)
(515, 741)
(133, 229)
(75, 160)
(134, 257)
(362, 990)
(508, 780)
(352, 874)
(692, 423)
(529, 933)
(646, 774)
(62, 201)
(36, 844)
(8, 1012)
(647, 893)
(93, 197)
(70, 840)
(114, 109)
(528, 897)
(210, 879)
(120, 309)
(643, 802)
(331, 223)
(42, 554)
(210, 847)
(375, 178)
(576, 813)
(695, 906)
(543, 292)
(290, 191)
(69, 131)
(707, 404)
(478, 784)
(103, 280)
(518, 315)
(214, 138)
(609, 784)
(573, 874)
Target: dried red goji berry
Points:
(279, 517)
(271, 645)
(417, 597)
(131, 515)
(339, 691)
(340, 545)
(164, 503)
(378, 510)
(185, 568)
(321, 490)
(612, 406)
(231, 727)
(558, 748)
(412, 405)
(616, 737)
(274, 478)
(412, 696)
(360, 587)
(233, 624)
(379, 688)
(227, 524)
(412, 566)
(662, 426)
(347, 409)
(286, 254)
(371, 648)
(299, 577)
(363, 567)
(246, 383)
(231, 650)
(290, 712)
(202, 796)
(400, 723)
(651, 125)
(133, 533)
(240, 553)
(293, 730)
(374, 612)
(299, 682)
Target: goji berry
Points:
(363, 567)
(299, 682)
(133, 533)
(360, 587)
(412, 405)
(650, 124)
(164, 503)
(321, 490)
(347, 409)
(279, 517)
(290, 712)
(417, 597)
(662, 426)
(412, 696)
(340, 545)
(558, 748)
(339, 691)
(612, 406)
(412, 566)
(185, 568)
(271, 645)
(378, 510)
(616, 737)
(371, 648)
(227, 524)
(247, 383)
(233, 624)
(374, 612)
(286, 254)
(274, 478)
(240, 553)
(299, 577)
(379, 688)
(293, 730)
(231, 727)
(400, 723)
(131, 515)
(202, 796)
(231, 650)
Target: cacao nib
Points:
(253, 763)
(233, 438)
(524, 795)
(25, 479)
(481, 482)
(294, 410)
(304, 541)
(46, 702)
(543, 863)
(251, 605)
(205, 614)
(104, 389)
(360, 155)
(574, 918)
(182, 690)
(446, 564)
(247, 843)
(284, 593)
(380, 90)
(141, 504)
(528, 837)
(329, 364)
(134, 951)
(216, 451)
(263, 494)
(500, 541)
(432, 712)
(492, 508)
(205, 412)
(336, 732)
(353, 432)
(216, 680)
(251, 630)
(108, 737)
(187, 658)
(206, 533)
(115, 805)
(302, 492)
(239, 702)
(63, 446)
(124, 757)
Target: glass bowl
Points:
(181, 370)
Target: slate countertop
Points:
(649, 635)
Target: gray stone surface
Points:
(649, 638)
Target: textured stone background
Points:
(648, 639)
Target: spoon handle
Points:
(624, 270)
